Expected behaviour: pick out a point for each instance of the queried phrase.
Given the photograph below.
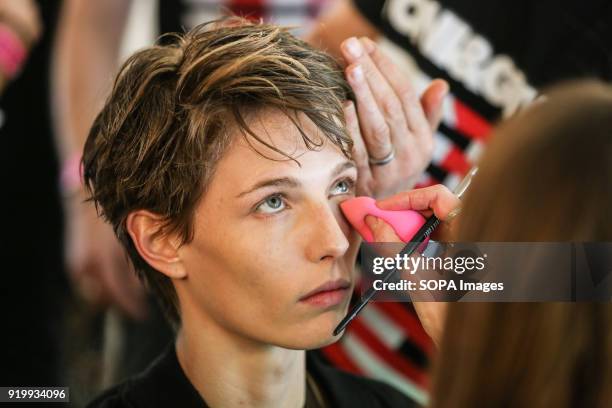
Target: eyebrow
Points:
(291, 182)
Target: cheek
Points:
(257, 271)
(273, 269)
(345, 226)
(353, 237)
(249, 293)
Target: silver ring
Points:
(381, 162)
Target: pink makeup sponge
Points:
(405, 223)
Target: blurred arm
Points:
(84, 63)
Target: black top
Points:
(164, 384)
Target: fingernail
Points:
(353, 46)
(371, 221)
(357, 73)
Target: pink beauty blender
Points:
(405, 223)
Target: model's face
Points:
(268, 234)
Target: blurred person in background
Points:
(528, 354)
(34, 286)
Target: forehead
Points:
(278, 133)
(281, 138)
(248, 159)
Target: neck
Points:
(230, 370)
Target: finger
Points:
(381, 231)
(375, 131)
(383, 93)
(437, 198)
(432, 102)
(359, 152)
(400, 86)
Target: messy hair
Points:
(167, 121)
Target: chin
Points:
(314, 334)
(312, 342)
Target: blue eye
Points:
(344, 186)
(271, 205)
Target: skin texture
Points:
(254, 255)
(271, 256)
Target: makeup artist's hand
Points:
(389, 120)
(97, 264)
(436, 200)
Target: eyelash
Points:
(348, 180)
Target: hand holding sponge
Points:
(405, 223)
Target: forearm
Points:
(84, 62)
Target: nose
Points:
(326, 238)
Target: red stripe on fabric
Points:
(338, 357)
(455, 162)
(251, 9)
(471, 123)
(389, 356)
(408, 322)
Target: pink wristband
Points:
(12, 52)
(71, 175)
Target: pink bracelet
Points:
(71, 175)
(12, 52)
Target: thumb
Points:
(381, 231)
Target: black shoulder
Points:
(111, 398)
(349, 390)
(163, 384)
(377, 393)
(387, 395)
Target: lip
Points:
(331, 293)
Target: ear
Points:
(158, 250)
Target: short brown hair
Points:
(157, 140)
